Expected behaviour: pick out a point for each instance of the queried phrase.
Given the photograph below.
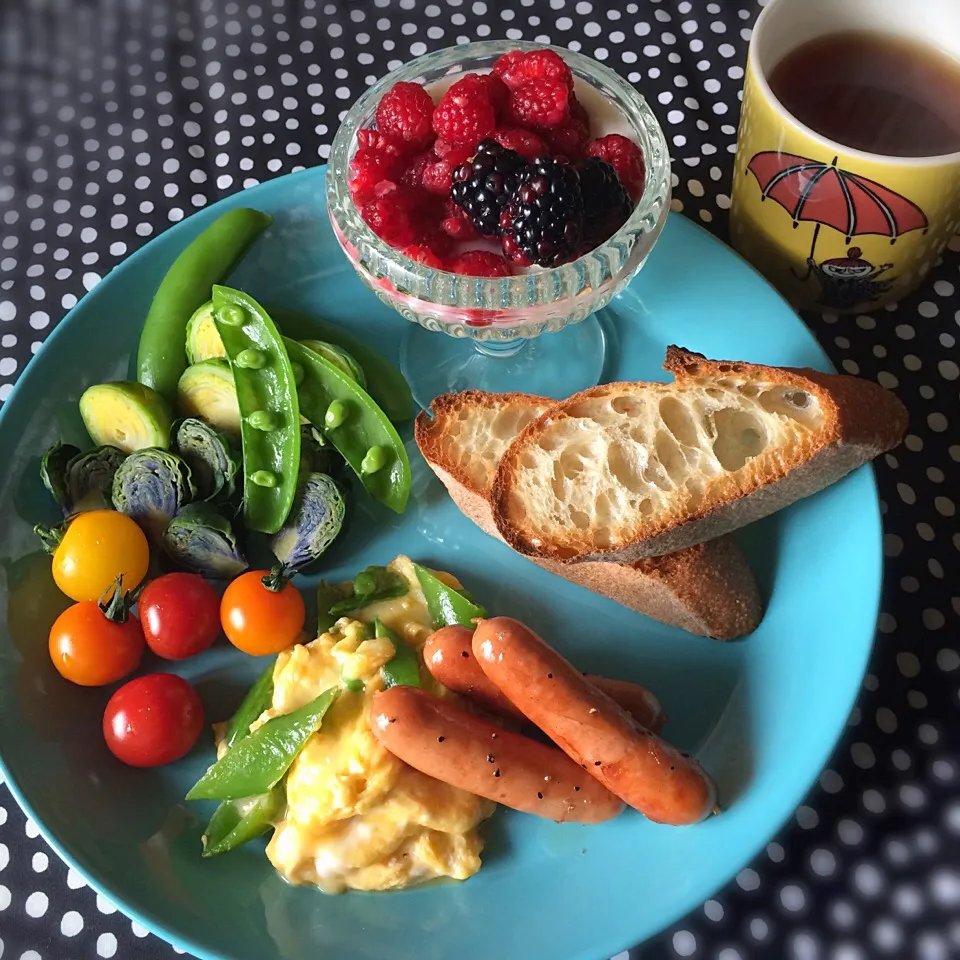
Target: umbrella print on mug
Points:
(833, 226)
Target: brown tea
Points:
(873, 92)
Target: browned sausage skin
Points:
(448, 654)
(645, 771)
(439, 739)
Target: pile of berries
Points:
(505, 156)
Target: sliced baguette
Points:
(707, 590)
(631, 470)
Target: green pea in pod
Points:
(258, 762)
(448, 607)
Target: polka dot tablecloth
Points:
(120, 117)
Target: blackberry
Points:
(543, 222)
(481, 186)
(606, 203)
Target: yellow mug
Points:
(833, 228)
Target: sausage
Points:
(645, 771)
(449, 657)
(439, 739)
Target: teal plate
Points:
(762, 714)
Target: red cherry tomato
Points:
(180, 614)
(89, 649)
(153, 720)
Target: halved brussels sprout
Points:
(151, 486)
(210, 455)
(339, 358)
(201, 540)
(53, 471)
(207, 391)
(203, 340)
(126, 415)
(90, 478)
(313, 524)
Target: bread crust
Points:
(708, 590)
(860, 420)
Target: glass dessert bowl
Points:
(496, 326)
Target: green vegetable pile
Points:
(267, 421)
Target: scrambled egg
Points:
(357, 817)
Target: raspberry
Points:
(480, 263)
(438, 241)
(405, 112)
(378, 140)
(456, 153)
(625, 157)
(540, 104)
(369, 167)
(423, 254)
(465, 114)
(438, 177)
(569, 139)
(524, 142)
(507, 63)
(497, 92)
(416, 166)
(391, 215)
(535, 66)
(456, 223)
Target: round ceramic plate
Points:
(762, 714)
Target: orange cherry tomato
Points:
(259, 620)
(89, 649)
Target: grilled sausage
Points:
(643, 770)
(439, 739)
(449, 657)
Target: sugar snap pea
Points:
(258, 762)
(404, 669)
(258, 698)
(447, 607)
(206, 261)
(267, 397)
(327, 596)
(385, 383)
(236, 822)
(370, 586)
(355, 425)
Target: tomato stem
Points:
(50, 537)
(277, 578)
(115, 604)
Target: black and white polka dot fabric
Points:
(120, 117)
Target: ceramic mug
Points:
(834, 228)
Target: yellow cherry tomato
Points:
(97, 547)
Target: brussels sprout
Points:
(203, 340)
(210, 456)
(207, 391)
(125, 415)
(201, 540)
(313, 524)
(53, 471)
(90, 478)
(339, 358)
(151, 486)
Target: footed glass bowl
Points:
(494, 325)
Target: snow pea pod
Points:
(385, 383)
(355, 425)
(236, 822)
(206, 261)
(270, 415)
(258, 762)
(404, 669)
(258, 698)
(448, 607)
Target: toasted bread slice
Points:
(708, 590)
(630, 470)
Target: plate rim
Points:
(605, 946)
